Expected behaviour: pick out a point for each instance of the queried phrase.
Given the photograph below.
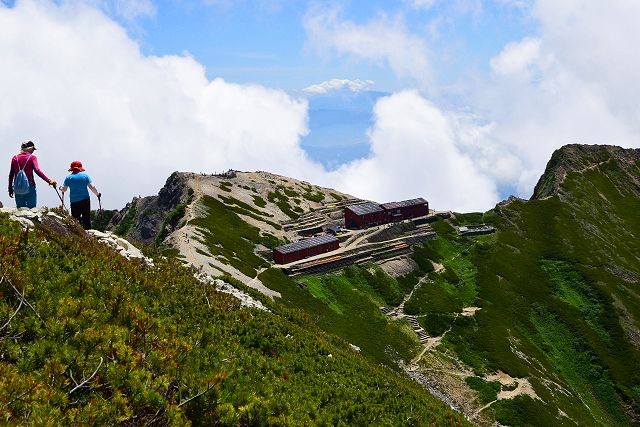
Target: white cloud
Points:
(415, 152)
(383, 40)
(595, 42)
(575, 82)
(132, 9)
(338, 84)
(518, 59)
(493, 159)
(421, 4)
(82, 90)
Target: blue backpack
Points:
(21, 182)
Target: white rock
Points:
(98, 234)
(24, 222)
(124, 243)
(245, 299)
(54, 215)
(28, 213)
(122, 246)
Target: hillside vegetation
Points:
(537, 324)
(90, 338)
(557, 291)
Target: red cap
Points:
(76, 165)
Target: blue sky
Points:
(265, 42)
(461, 102)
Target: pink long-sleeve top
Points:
(31, 166)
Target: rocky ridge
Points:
(261, 199)
(580, 158)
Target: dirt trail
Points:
(522, 386)
(242, 189)
(188, 240)
(445, 377)
(399, 310)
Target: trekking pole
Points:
(99, 204)
(61, 199)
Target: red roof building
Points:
(305, 248)
(407, 209)
(364, 215)
(369, 213)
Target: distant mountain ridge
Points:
(577, 158)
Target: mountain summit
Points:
(576, 158)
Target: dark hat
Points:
(76, 165)
(28, 144)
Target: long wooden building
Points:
(363, 215)
(369, 213)
(305, 248)
(407, 209)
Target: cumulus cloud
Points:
(570, 84)
(574, 81)
(338, 84)
(415, 152)
(594, 41)
(518, 59)
(82, 90)
(383, 40)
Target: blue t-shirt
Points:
(77, 183)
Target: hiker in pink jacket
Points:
(27, 160)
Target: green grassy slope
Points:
(558, 287)
(90, 338)
(348, 305)
(560, 297)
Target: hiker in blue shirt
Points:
(78, 182)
